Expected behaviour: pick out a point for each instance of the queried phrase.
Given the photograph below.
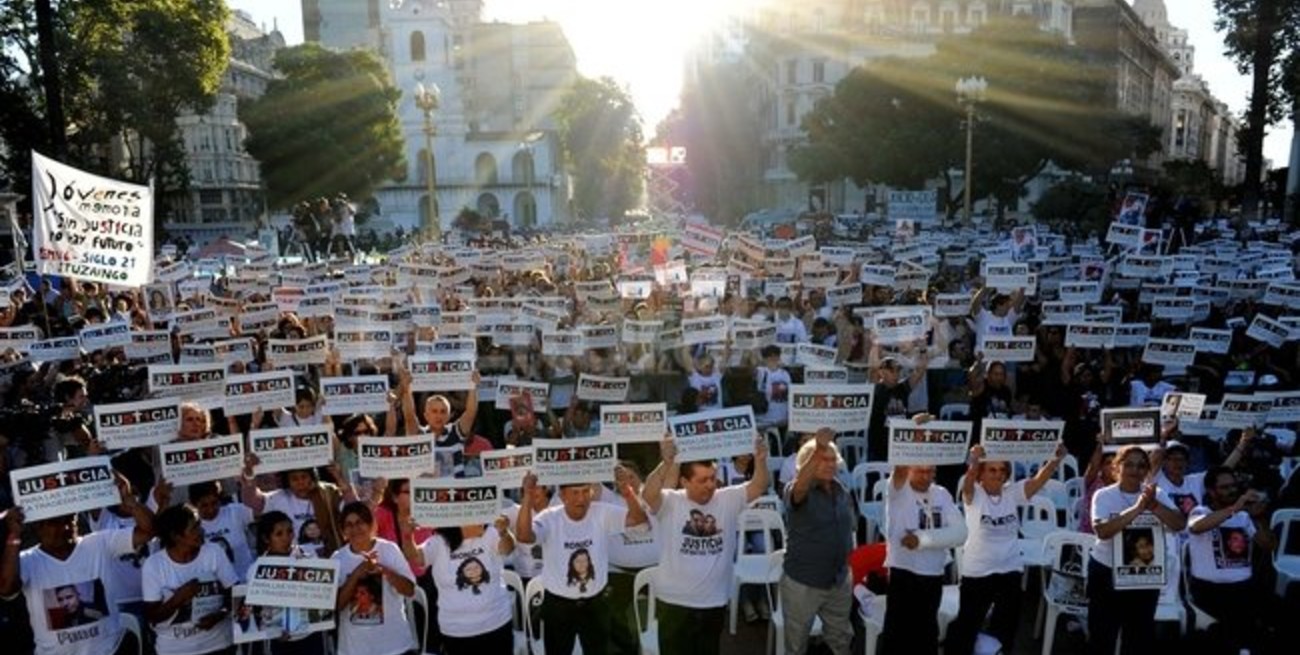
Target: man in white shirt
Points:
(999, 319)
(789, 327)
(697, 545)
(574, 537)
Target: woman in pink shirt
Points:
(393, 521)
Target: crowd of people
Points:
(1197, 497)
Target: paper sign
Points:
(1132, 335)
(933, 443)
(363, 343)
(595, 337)
(1212, 341)
(574, 461)
(897, 329)
(150, 347)
(811, 354)
(1006, 277)
(297, 352)
(1020, 440)
(602, 389)
(1090, 335)
(137, 424)
(563, 343)
(1269, 331)
(717, 434)
(269, 391)
(451, 372)
(188, 462)
(1286, 407)
(19, 338)
(641, 332)
(450, 503)
(752, 336)
(539, 392)
(1008, 349)
(201, 383)
(108, 335)
(1130, 425)
(302, 582)
(642, 423)
(706, 329)
(842, 408)
(395, 457)
(506, 467)
(1243, 411)
(362, 394)
(59, 349)
(825, 375)
(1173, 353)
(293, 448)
(63, 488)
(949, 305)
(1138, 554)
(1182, 406)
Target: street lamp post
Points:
(970, 92)
(427, 99)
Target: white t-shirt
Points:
(71, 612)
(988, 324)
(375, 623)
(1221, 555)
(1185, 496)
(300, 510)
(791, 330)
(472, 597)
(775, 386)
(229, 531)
(697, 547)
(908, 510)
(993, 531)
(576, 553)
(123, 575)
(179, 634)
(636, 547)
(527, 559)
(1140, 395)
(710, 388)
(1108, 502)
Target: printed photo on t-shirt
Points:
(368, 601)
(581, 570)
(699, 524)
(780, 391)
(472, 575)
(935, 522)
(1184, 502)
(1231, 548)
(76, 604)
(708, 395)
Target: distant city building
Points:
(496, 145)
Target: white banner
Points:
(63, 488)
(602, 389)
(451, 503)
(717, 434)
(641, 423)
(143, 423)
(1173, 353)
(301, 582)
(106, 335)
(287, 449)
(574, 461)
(842, 408)
(1243, 411)
(1008, 349)
(201, 383)
(1212, 341)
(188, 462)
(1020, 440)
(359, 394)
(506, 467)
(705, 329)
(929, 444)
(90, 227)
(508, 388)
(363, 344)
(297, 352)
(395, 457)
(451, 372)
(269, 391)
(58, 349)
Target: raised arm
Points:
(466, 422)
(803, 479)
(1045, 472)
(249, 494)
(663, 477)
(524, 520)
(1216, 518)
(761, 478)
(973, 466)
(635, 513)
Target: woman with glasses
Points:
(376, 579)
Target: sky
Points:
(641, 44)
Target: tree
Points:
(601, 136)
(1074, 204)
(328, 126)
(897, 121)
(1196, 189)
(1263, 37)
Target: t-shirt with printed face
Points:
(697, 547)
(1222, 554)
(993, 529)
(180, 634)
(1185, 496)
(229, 530)
(70, 612)
(775, 387)
(375, 622)
(709, 388)
(575, 553)
(472, 597)
(1108, 503)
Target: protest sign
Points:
(458, 324)
(1286, 406)
(204, 460)
(150, 347)
(1020, 440)
(1123, 426)
(1089, 335)
(1181, 406)
(538, 393)
(137, 424)
(198, 353)
(1057, 312)
(448, 348)
(1269, 331)
(1080, 292)
(933, 443)
(301, 582)
(451, 503)
(950, 305)
(395, 457)
(1132, 335)
(893, 328)
(562, 343)
(230, 351)
(512, 335)
(1208, 340)
(602, 389)
(297, 352)
(751, 336)
(63, 488)
(106, 335)
(574, 461)
(1243, 411)
(202, 383)
(709, 283)
(599, 336)
(825, 375)
(717, 434)
(363, 343)
(1173, 353)
(635, 289)
(442, 372)
(1006, 277)
(841, 407)
(1007, 349)
(268, 391)
(360, 394)
(19, 338)
(506, 467)
(705, 329)
(640, 423)
(879, 275)
(641, 332)
(843, 296)
(287, 449)
(58, 349)
(90, 227)
(811, 354)
(1138, 554)
(916, 206)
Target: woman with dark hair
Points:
(580, 569)
(303, 497)
(474, 606)
(275, 539)
(372, 615)
(187, 588)
(393, 522)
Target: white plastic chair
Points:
(775, 455)
(132, 625)
(873, 624)
(954, 412)
(1068, 468)
(863, 482)
(648, 629)
(1038, 518)
(852, 449)
(1050, 609)
(753, 568)
(1074, 493)
(1170, 606)
(1285, 523)
(520, 612)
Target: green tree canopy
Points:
(601, 136)
(328, 126)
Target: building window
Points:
(417, 46)
(819, 71)
(792, 71)
(485, 170)
(790, 110)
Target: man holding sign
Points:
(698, 548)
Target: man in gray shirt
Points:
(816, 580)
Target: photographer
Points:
(69, 433)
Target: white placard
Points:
(1080, 292)
(287, 449)
(595, 337)
(449, 503)
(1268, 331)
(297, 352)
(59, 349)
(602, 389)
(717, 434)
(1132, 335)
(395, 457)
(1008, 349)
(63, 488)
(360, 394)
(1286, 407)
(506, 467)
(201, 383)
(137, 424)
(150, 347)
(752, 336)
(1208, 340)
(19, 338)
(1182, 406)
(1136, 565)
(1130, 425)
(949, 305)
(574, 461)
(301, 582)
(825, 375)
(107, 335)
(1172, 353)
(1006, 277)
(1090, 335)
(1243, 411)
(1020, 440)
(363, 343)
(638, 423)
(641, 332)
(562, 343)
(538, 392)
(811, 354)
(899, 328)
(840, 407)
(188, 462)
(451, 372)
(269, 391)
(635, 289)
(705, 329)
(933, 443)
